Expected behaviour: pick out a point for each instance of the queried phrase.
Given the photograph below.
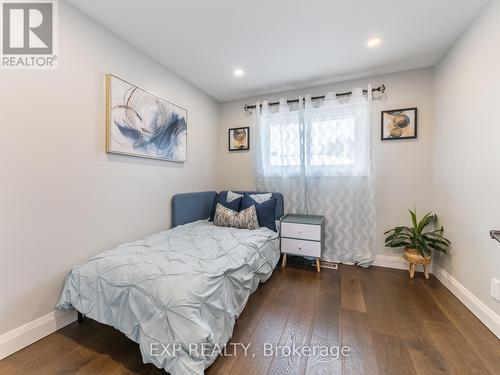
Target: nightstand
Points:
(301, 235)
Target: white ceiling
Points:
(284, 44)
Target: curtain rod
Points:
(380, 89)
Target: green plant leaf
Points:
(413, 217)
(426, 220)
(416, 237)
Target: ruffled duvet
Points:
(176, 293)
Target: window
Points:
(284, 145)
(332, 142)
(324, 141)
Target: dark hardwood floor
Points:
(392, 325)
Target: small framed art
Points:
(239, 139)
(399, 124)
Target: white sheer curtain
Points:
(318, 154)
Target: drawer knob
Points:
(300, 248)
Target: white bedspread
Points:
(183, 286)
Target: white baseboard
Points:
(395, 261)
(486, 315)
(390, 261)
(27, 334)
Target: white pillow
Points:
(232, 196)
(259, 198)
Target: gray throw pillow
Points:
(259, 198)
(245, 219)
(231, 196)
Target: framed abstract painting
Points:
(399, 124)
(139, 123)
(239, 139)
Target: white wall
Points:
(62, 197)
(403, 168)
(467, 154)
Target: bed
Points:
(176, 293)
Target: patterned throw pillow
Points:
(245, 219)
(233, 205)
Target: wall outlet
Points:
(495, 289)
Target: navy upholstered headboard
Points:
(189, 207)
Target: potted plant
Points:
(418, 241)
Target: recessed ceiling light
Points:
(239, 72)
(374, 42)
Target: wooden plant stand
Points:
(414, 258)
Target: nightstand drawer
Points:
(302, 231)
(301, 247)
